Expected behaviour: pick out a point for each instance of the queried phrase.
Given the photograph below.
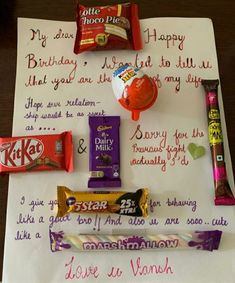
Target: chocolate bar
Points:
(123, 203)
(104, 160)
(36, 153)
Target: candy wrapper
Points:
(36, 153)
(107, 27)
(104, 160)
(223, 193)
(200, 240)
(123, 203)
(134, 90)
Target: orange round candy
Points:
(134, 90)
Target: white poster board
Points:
(57, 90)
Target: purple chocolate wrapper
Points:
(104, 160)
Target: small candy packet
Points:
(104, 160)
(123, 203)
(36, 153)
(107, 27)
(223, 192)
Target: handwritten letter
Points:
(57, 90)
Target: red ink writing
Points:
(197, 134)
(185, 63)
(140, 269)
(103, 78)
(154, 160)
(150, 35)
(164, 63)
(179, 136)
(157, 80)
(173, 79)
(173, 151)
(171, 40)
(205, 65)
(58, 81)
(85, 80)
(77, 271)
(114, 63)
(35, 81)
(146, 135)
(115, 272)
(196, 81)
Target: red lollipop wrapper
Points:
(134, 90)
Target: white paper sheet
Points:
(51, 80)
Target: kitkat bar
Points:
(107, 27)
(36, 153)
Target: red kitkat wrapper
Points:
(36, 153)
(107, 27)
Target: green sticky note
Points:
(196, 151)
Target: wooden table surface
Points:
(221, 12)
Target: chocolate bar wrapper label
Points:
(107, 27)
(223, 193)
(200, 240)
(123, 203)
(104, 160)
(36, 153)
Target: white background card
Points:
(56, 91)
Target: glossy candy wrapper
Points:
(107, 27)
(134, 90)
(36, 153)
(223, 193)
(123, 203)
(104, 156)
(200, 240)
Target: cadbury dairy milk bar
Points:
(104, 160)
